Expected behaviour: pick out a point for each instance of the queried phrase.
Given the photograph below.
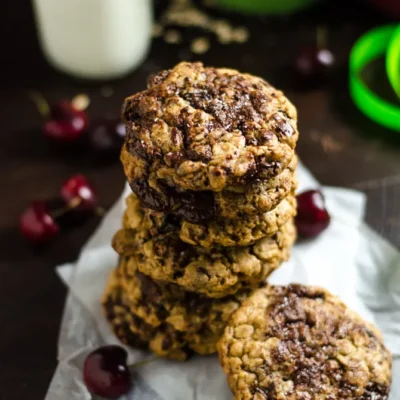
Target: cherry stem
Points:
(73, 203)
(40, 102)
(322, 36)
(100, 211)
(141, 363)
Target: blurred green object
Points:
(265, 6)
(371, 46)
(393, 61)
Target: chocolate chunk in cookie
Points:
(224, 232)
(215, 272)
(163, 317)
(258, 196)
(209, 129)
(301, 342)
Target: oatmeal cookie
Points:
(209, 129)
(215, 272)
(259, 196)
(300, 342)
(133, 331)
(240, 231)
(191, 321)
(220, 232)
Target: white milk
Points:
(95, 39)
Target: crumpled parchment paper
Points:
(349, 259)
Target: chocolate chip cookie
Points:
(215, 272)
(220, 232)
(300, 342)
(133, 331)
(259, 196)
(242, 231)
(207, 129)
(190, 320)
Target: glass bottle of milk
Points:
(94, 39)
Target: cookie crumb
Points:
(157, 30)
(200, 45)
(184, 13)
(223, 31)
(172, 36)
(240, 35)
(328, 143)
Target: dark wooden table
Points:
(338, 144)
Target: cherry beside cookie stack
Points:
(210, 157)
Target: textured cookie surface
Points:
(198, 128)
(215, 272)
(134, 331)
(220, 232)
(191, 321)
(302, 343)
(239, 231)
(260, 195)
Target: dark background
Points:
(338, 144)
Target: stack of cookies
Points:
(210, 157)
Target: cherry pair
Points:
(105, 371)
(38, 223)
(67, 124)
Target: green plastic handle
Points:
(393, 61)
(264, 6)
(369, 47)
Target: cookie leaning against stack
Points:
(301, 342)
(210, 157)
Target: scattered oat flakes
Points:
(240, 35)
(81, 102)
(328, 143)
(185, 14)
(107, 91)
(157, 30)
(200, 45)
(223, 30)
(172, 36)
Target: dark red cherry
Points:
(106, 138)
(312, 216)
(312, 63)
(105, 372)
(66, 123)
(36, 223)
(79, 194)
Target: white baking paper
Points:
(349, 259)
